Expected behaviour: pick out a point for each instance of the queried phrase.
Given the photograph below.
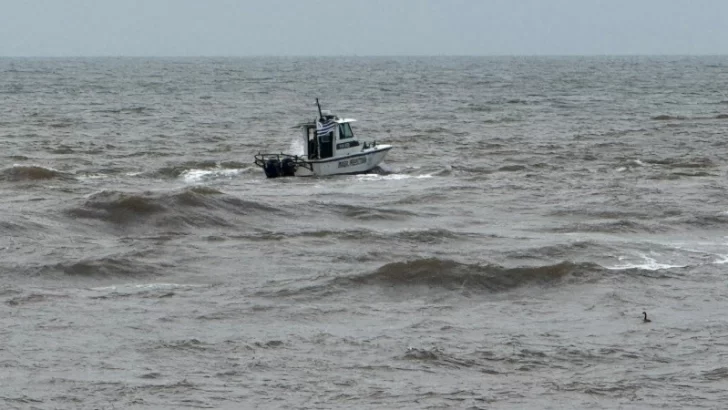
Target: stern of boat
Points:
(282, 165)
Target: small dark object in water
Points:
(645, 320)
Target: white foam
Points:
(391, 177)
(144, 286)
(36, 166)
(648, 264)
(722, 261)
(386, 168)
(106, 176)
(198, 175)
(91, 177)
(296, 147)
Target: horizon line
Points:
(54, 56)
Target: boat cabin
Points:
(329, 148)
(329, 137)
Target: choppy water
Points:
(530, 210)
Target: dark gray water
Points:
(530, 211)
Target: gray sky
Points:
(361, 27)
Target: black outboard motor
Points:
(288, 167)
(272, 168)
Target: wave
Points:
(8, 290)
(416, 171)
(620, 226)
(438, 357)
(561, 251)
(716, 374)
(429, 197)
(613, 213)
(32, 298)
(123, 265)
(512, 168)
(141, 290)
(480, 108)
(472, 170)
(26, 173)
(126, 110)
(496, 362)
(428, 235)
(191, 345)
(197, 175)
(613, 389)
(63, 123)
(677, 175)
(704, 221)
(681, 162)
(646, 266)
(437, 130)
(107, 267)
(660, 222)
(452, 275)
(18, 225)
(176, 171)
(388, 176)
(62, 149)
(679, 117)
(668, 117)
(415, 235)
(445, 274)
(196, 206)
(364, 213)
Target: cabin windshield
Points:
(345, 131)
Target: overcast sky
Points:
(361, 27)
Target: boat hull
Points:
(358, 163)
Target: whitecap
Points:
(722, 261)
(90, 177)
(199, 175)
(648, 264)
(147, 286)
(140, 288)
(391, 177)
(296, 147)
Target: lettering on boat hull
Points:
(352, 162)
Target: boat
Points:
(329, 148)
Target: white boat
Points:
(330, 148)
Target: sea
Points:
(501, 257)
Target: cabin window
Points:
(345, 131)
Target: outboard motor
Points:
(272, 168)
(288, 167)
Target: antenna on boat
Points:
(321, 116)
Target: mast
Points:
(321, 116)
